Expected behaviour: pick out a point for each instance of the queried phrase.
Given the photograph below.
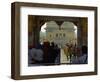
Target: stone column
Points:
(84, 31)
(34, 28)
(79, 33)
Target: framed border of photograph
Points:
(19, 17)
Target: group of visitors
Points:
(75, 54)
(49, 53)
(44, 54)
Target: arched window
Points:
(47, 31)
(70, 31)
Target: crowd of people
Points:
(44, 54)
(76, 54)
(49, 53)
